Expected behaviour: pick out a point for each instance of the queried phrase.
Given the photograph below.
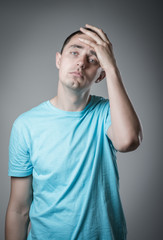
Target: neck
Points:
(71, 100)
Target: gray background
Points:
(33, 31)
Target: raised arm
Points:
(17, 215)
(125, 131)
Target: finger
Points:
(99, 32)
(93, 35)
(88, 42)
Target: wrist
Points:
(112, 72)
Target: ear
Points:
(58, 60)
(101, 77)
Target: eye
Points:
(74, 53)
(94, 61)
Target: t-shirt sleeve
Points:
(19, 152)
(107, 120)
(106, 114)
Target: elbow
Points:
(130, 143)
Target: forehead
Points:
(74, 40)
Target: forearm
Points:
(16, 227)
(125, 123)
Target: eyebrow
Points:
(76, 46)
(81, 47)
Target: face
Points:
(78, 65)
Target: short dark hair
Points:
(71, 35)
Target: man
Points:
(62, 154)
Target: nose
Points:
(81, 63)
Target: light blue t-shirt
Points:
(75, 175)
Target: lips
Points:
(77, 74)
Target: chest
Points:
(60, 145)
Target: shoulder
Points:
(100, 102)
(30, 115)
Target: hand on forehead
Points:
(99, 41)
(98, 35)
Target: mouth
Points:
(77, 74)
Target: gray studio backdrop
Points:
(31, 34)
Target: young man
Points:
(62, 154)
